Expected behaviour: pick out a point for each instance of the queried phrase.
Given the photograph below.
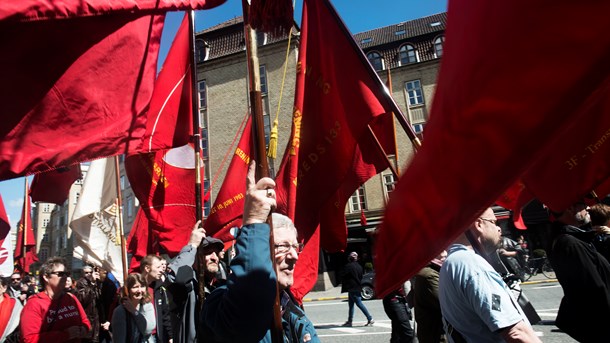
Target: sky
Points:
(358, 15)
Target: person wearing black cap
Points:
(184, 283)
(351, 283)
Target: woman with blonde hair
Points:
(133, 321)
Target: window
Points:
(45, 238)
(44, 254)
(418, 128)
(263, 76)
(400, 32)
(357, 201)
(407, 54)
(436, 23)
(129, 206)
(389, 183)
(122, 182)
(203, 97)
(366, 40)
(202, 50)
(46, 208)
(206, 188)
(414, 93)
(64, 239)
(376, 60)
(261, 38)
(438, 46)
(45, 222)
(76, 198)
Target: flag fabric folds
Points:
(6, 248)
(228, 208)
(25, 246)
(337, 95)
(54, 186)
(93, 94)
(541, 117)
(141, 241)
(95, 223)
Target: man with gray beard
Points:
(584, 275)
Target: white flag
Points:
(95, 222)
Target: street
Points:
(328, 316)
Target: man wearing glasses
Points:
(242, 310)
(475, 302)
(15, 288)
(88, 293)
(53, 315)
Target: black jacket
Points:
(164, 326)
(352, 277)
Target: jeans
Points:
(400, 315)
(356, 297)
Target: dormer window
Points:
(202, 50)
(376, 60)
(407, 54)
(438, 46)
(366, 40)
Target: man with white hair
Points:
(475, 302)
(242, 310)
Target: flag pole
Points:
(404, 122)
(119, 203)
(197, 148)
(258, 134)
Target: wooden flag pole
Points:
(258, 134)
(119, 203)
(197, 148)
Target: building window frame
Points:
(376, 60)
(407, 54)
(438, 43)
(357, 202)
(415, 93)
(389, 184)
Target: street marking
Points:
(360, 334)
(348, 330)
(383, 325)
(323, 304)
(545, 287)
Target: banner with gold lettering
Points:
(95, 224)
(164, 183)
(331, 151)
(229, 204)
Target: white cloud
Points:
(16, 203)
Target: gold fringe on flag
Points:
(272, 151)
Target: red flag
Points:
(480, 127)
(164, 181)
(336, 98)
(229, 204)
(141, 241)
(93, 93)
(25, 250)
(54, 186)
(515, 198)
(362, 217)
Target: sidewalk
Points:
(335, 292)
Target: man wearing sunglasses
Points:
(15, 288)
(53, 315)
(475, 302)
(242, 310)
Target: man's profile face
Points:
(285, 262)
(581, 215)
(491, 235)
(154, 270)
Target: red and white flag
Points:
(6, 248)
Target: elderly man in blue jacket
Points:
(242, 310)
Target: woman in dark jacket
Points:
(134, 320)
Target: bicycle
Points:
(537, 265)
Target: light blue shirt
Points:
(474, 298)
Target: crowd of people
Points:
(198, 297)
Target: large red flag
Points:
(90, 99)
(54, 186)
(141, 241)
(164, 181)
(25, 249)
(337, 96)
(228, 207)
(541, 117)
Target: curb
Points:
(342, 297)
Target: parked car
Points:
(368, 286)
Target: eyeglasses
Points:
(16, 279)
(61, 274)
(493, 221)
(87, 272)
(284, 248)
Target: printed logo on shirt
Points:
(495, 302)
(64, 312)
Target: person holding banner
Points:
(242, 310)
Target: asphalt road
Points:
(328, 316)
